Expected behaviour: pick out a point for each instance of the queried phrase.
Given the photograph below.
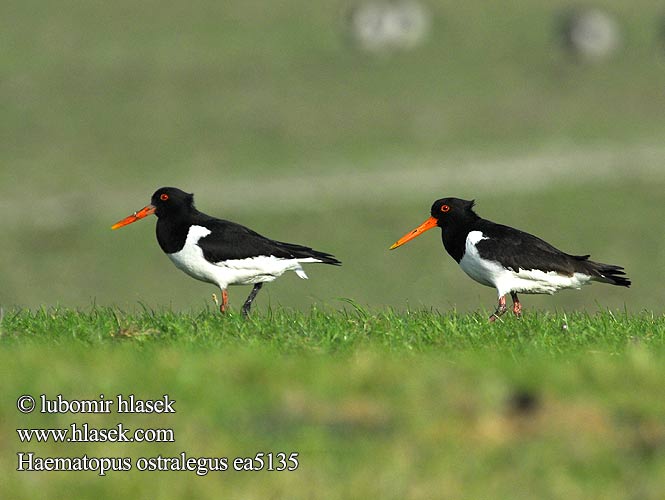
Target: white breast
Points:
(190, 258)
(483, 271)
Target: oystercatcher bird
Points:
(508, 259)
(219, 251)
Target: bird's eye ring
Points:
(445, 208)
(164, 197)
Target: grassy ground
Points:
(346, 331)
(376, 403)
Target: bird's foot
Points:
(500, 310)
(248, 303)
(494, 316)
(224, 306)
(517, 305)
(245, 310)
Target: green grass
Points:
(346, 331)
(377, 403)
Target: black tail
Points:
(606, 273)
(303, 252)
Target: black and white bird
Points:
(508, 259)
(219, 251)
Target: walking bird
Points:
(219, 251)
(508, 259)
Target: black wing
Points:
(229, 241)
(515, 249)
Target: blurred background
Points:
(334, 125)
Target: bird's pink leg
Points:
(500, 309)
(517, 305)
(225, 302)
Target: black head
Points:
(445, 212)
(171, 201)
(450, 210)
(165, 202)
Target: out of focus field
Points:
(383, 373)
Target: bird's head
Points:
(444, 212)
(166, 201)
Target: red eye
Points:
(445, 208)
(164, 197)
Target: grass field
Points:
(376, 403)
(338, 331)
(383, 374)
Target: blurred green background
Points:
(365, 426)
(276, 117)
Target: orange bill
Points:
(144, 212)
(425, 226)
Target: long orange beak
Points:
(144, 212)
(425, 226)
